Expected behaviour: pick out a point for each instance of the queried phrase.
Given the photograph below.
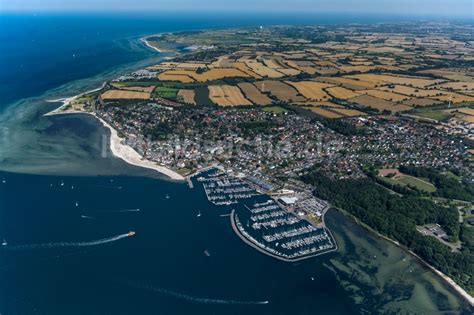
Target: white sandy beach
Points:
(117, 147)
(129, 155)
(148, 44)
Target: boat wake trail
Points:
(189, 297)
(124, 210)
(87, 217)
(69, 244)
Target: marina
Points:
(222, 189)
(289, 228)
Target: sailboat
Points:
(62, 183)
(77, 204)
(4, 243)
(199, 214)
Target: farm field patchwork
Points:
(280, 90)
(253, 94)
(227, 95)
(377, 103)
(341, 92)
(124, 95)
(311, 89)
(187, 96)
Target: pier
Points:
(190, 182)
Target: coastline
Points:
(457, 288)
(66, 101)
(117, 147)
(129, 155)
(143, 40)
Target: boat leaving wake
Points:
(124, 210)
(70, 244)
(189, 297)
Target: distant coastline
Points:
(145, 41)
(117, 146)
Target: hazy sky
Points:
(453, 8)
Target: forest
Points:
(397, 216)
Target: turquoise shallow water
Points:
(163, 269)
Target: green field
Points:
(434, 114)
(406, 180)
(390, 181)
(275, 109)
(416, 182)
(166, 92)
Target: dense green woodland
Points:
(396, 217)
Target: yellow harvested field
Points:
(454, 97)
(311, 89)
(271, 63)
(263, 70)
(254, 95)
(469, 119)
(190, 65)
(243, 67)
(219, 73)
(210, 75)
(325, 112)
(280, 90)
(178, 66)
(348, 83)
(188, 96)
(222, 62)
(227, 95)
(388, 96)
(379, 104)
(124, 95)
(359, 68)
(319, 104)
(380, 79)
(465, 110)
(451, 75)
(458, 86)
(289, 71)
(183, 78)
(341, 92)
(308, 70)
(409, 91)
(349, 112)
(147, 89)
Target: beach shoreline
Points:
(117, 147)
(144, 40)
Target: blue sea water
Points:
(163, 268)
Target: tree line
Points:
(396, 217)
